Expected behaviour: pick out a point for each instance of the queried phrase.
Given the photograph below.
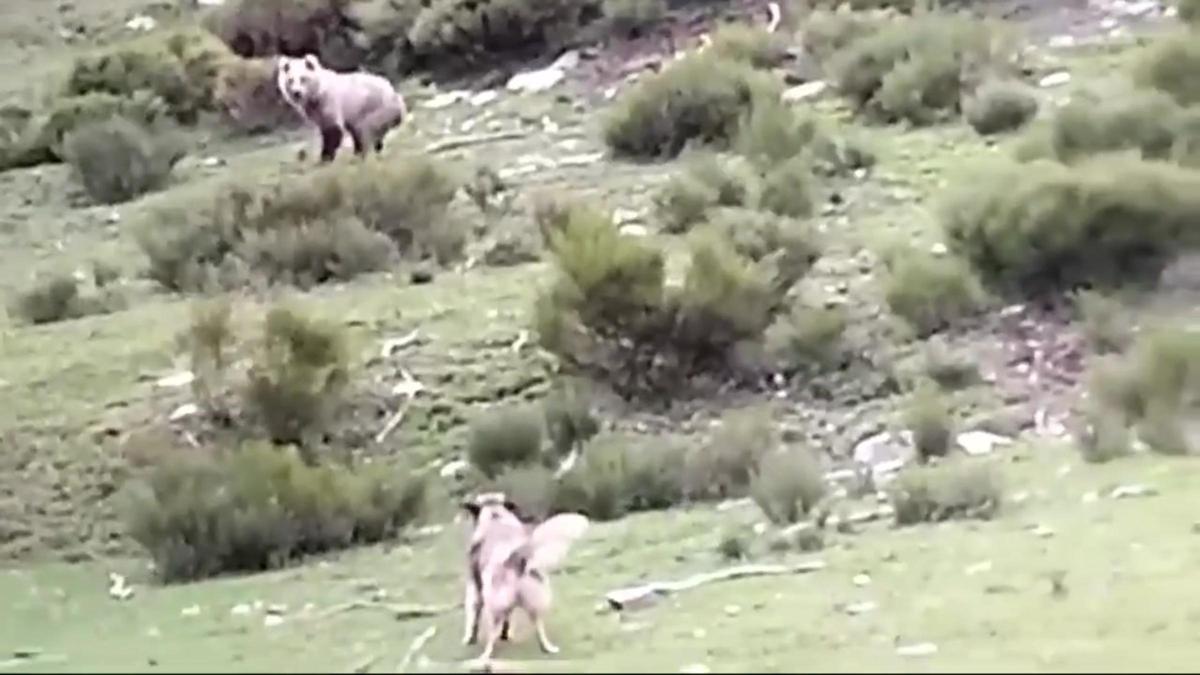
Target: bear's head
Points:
(299, 78)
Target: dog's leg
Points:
(493, 621)
(472, 606)
(543, 639)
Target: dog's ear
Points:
(512, 508)
(471, 507)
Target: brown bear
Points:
(362, 105)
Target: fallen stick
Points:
(645, 594)
(399, 612)
(416, 647)
(393, 422)
(365, 664)
(474, 139)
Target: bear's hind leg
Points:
(331, 140)
(359, 138)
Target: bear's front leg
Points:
(331, 140)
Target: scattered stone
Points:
(483, 98)
(548, 125)
(1134, 490)
(1055, 79)
(695, 669)
(141, 22)
(1019, 497)
(194, 610)
(699, 633)
(803, 92)
(1061, 41)
(1090, 497)
(211, 3)
(732, 610)
(392, 345)
(113, 217)
(634, 230)
(532, 81)
(919, 649)
(117, 588)
(978, 443)
(429, 530)
(408, 386)
(861, 580)
(180, 379)
(445, 100)
(1042, 531)
(583, 159)
(272, 620)
(858, 608)
(183, 411)
(212, 162)
(939, 249)
(241, 609)
(622, 216)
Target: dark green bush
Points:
(699, 99)
(826, 32)
(255, 28)
(654, 477)
(58, 297)
(255, 508)
(725, 466)
(1042, 226)
(597, 485)
(117, 159)
(298, 376)
(179, 67)
(569, 419)
(1001, 106)
(505, 437)
(246, 92)
(708, 180)
(1107, 325)
(930, 293)
(927, 415)
(748, 44)
(808, 337)
(1189, 12)
(1172, 65)
(787, 484)
(532, 488)
(956, 489)
(631, 18)
(334, 223)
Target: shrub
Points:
(654, 477)
(255, 28)
(608, 311)
(210, 342)
(1106, 324)
(733, 545)
(1153, 389)
(297, 377)
(826, 32)
(748, 44)
(808, 336)
(568, 417)
(258, 507)
(505, 437)
(58, 297)
(179, 67)
(773, 132)
(928, 417)
(334, 223)
(1105, 436)
(1041, 226)
(787, 485)
(929, 292)
(1172, 65)
(788, 189)
(1000, 106)
(725, 466)
(758, 236)
(247, 93)
(948, 368)
(1189, 12)
(1146, 121)
(531, 486)
(950, 490)
(915, 69)
(117, 160)
(452, 35)
(597, 485)
(699, 99)
(629, 18)
(708, 180)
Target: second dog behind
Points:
(509, 562)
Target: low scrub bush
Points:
(59, 297)
(179, 67)
(1107, 325)
(597, 485)
(827, 32)
(949, 368)
(298, 377)
(1041, 226)
(917, 70)
(505, 437)
(654, 478)
(1149, 123)
(631, 18)
(117, 159)
(927, 415)
(699, 99)
(333, 224)
(708, 180)
(725, 466)
(256, 28)
(246, 92)
(569, 418)
(929, 292)
(748, 44)
(532, 487)
(1001, 106)
(609, 312)
(808, 337)
(1172, 65)
(257, 507)
(1189, 12)
(1153, 390)
(958, 489)
(787, 484)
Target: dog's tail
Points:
(550, 541)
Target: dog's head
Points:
(490, 507)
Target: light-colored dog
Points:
(508, 563)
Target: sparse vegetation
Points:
(58, 297)
(1170, 65)
(748, 44)
(948, 368)
(1106, 322)
(631, 18)
(808, 337)
(931, 292)
(725, 466)
(505, 437)
(569, 419)
(930, 420)
(1041, 226)
(1001, 106)
(336, 223)
(787, 484)
(117, 160)
(699, 99)
(257, 507)
(950, 490)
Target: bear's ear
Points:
(311, 62)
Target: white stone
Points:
(272, 620)
(857, 608)
(919, 649)
(141, 22)
(454, 468)
(194, 610)
(978, 568)
(1061, 41)
(484, 97)
(180, 379)
(445, 100)
(978, 443)
(803, 92)
(634, 230)
(534, 81)
(1136, 490)
(185, 410)
(1055, 79)
(861, 580)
